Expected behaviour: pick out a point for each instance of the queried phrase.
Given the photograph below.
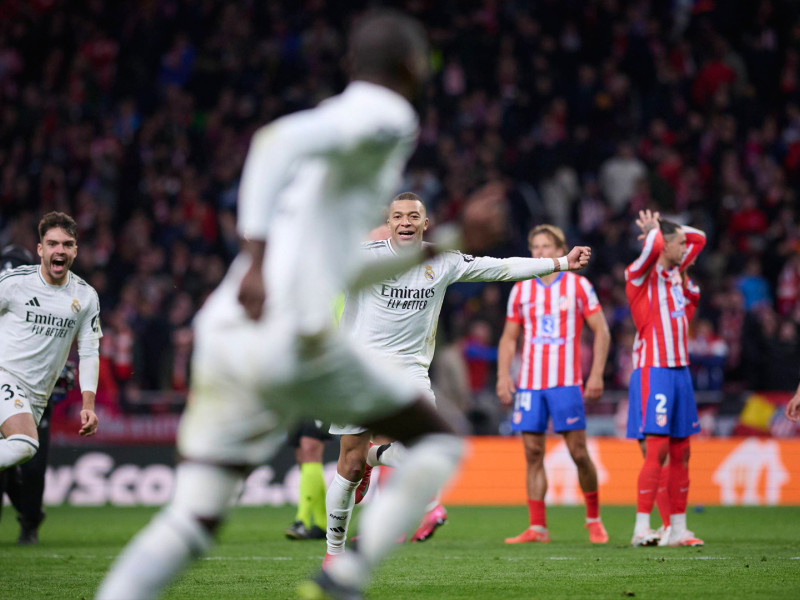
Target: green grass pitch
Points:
(750, 553)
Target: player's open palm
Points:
(506, 390)
(578, 257)
(88, 423)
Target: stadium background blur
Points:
(135, 118)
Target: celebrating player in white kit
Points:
(267, 352)
(398, 318)
(43, 309)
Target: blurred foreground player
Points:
(267, 357)
(551, 311)
(43, 309)
(661, 406)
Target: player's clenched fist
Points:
(578, 257)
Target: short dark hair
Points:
(668, 227)
(407, 196)
(382, 41)
(58, 219)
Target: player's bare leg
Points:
(434, 452)
(20, 440)
(340, 498)
(536, 483)
(587, 478)
(181, 531)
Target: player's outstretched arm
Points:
(793, 408)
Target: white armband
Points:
(563, 264)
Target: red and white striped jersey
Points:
(662, 302)
(552, 317)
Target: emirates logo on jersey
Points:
(76, 306)
(429, 274)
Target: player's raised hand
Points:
(578, 257)
(647, 220)
(88, 423)
(506, 389)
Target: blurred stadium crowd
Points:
(135, 118)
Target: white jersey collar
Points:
(50, 285)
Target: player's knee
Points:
(534, 455)
(580, 457)
(21, 448)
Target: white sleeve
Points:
(89, 372)
(486, 268)
(275, 153)
(90, 332)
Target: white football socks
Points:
(642, 522)
(339, 503)
(17, 449)
(175, 535)
(386, 455)
(426, 468)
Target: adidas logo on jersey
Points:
(33, 302)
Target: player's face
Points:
(58, 250)
(544, 246)
(407, 222)
(674, 248)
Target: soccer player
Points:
(267, 353)
(308, 440)
(661, 404)
(551, 312)
(43, 309)
(24, 483)
(398, 317)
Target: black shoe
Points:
(323, 587)
(298, 531)
(28, 537)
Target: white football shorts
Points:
(15, 399)
(418, 376)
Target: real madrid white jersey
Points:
(313, 184)
(399, 316)
(38, 323)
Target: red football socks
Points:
(656, 454)
(679, 452)
(592, 505)
(536, 513)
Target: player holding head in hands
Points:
(267, 356)
(43, 308)
(397, 317)
(661, 403)
(551, 311)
